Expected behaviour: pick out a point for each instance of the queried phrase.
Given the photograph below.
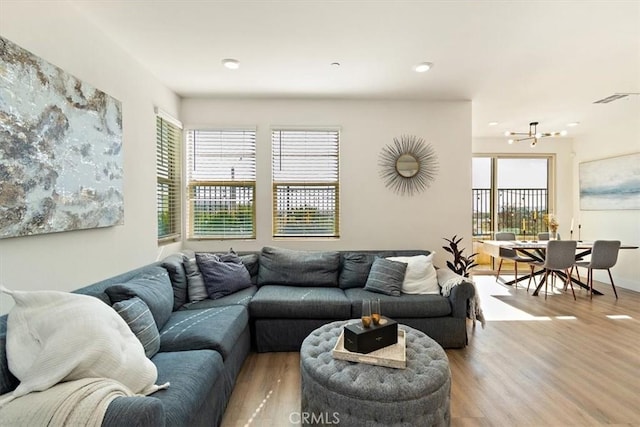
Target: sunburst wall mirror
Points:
(409, 165)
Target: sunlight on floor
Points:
(619, 317)
(496, 310)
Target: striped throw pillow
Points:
(136, 313)
(386, 277)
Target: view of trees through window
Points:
(510, 194)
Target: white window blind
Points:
(168, 140)
(221, 183)
(306, 187)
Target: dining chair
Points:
(604, 255)
(545, 236)
(510, 254)
(559, 256)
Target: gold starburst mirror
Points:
(409, 165)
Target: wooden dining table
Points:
(536, 250)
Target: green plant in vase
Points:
(461, 264)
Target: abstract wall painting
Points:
(610, 184)
(60, 149)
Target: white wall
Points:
(56, 32)
(372, 216)
(622, 136)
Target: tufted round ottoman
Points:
(356, 394)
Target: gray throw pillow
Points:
(136, 313)
(298, 268)
(355, 269)
(153, 288)
(386, 277)
(196, 290)
(223, 274)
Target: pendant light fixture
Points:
(533, 135)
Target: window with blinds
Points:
(168, 139)
(306, 188)
(221, 183)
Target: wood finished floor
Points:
(553, 362)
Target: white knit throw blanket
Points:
(81, 402)
(447, 279)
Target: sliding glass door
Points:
(512, 194)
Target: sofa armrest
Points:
(459, 297)
(135, 411)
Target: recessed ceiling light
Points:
(493, 123)
(335, 64)
(423, 67)
(230, 63)
(572, 124)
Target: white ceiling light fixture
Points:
(573, 124)
(493, 123)
(533, 135)
(423, 67)
(230, 63)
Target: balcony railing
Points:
(519, 210)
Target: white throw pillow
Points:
(58, 336)
(421, 276)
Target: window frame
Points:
(276, 184)
(220, 184)
(171, 179)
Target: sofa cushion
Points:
(355, 269)
(298, 268)
(405, 306)
(154, 288)
(386, 277)
(216, 328)
(136, 313)
(420, 277)
(192, 375)
(252, 262)
(242, 297)
(223, 274)
(177, 274)
(196, 291)
(275, 301)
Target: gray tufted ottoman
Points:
(355, 394)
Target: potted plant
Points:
(461, 264)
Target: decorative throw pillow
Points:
(154, 289)
(386, 277)
(57, 336)
(280, 266)
(195, 282)
(355, 269)
(136, 313)
(421, 276)
(223, 274)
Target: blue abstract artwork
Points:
(60, 149)
(610, 184)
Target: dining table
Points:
(536, 250)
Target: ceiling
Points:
(517, 61)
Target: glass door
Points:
(512, 194)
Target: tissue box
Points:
(359, 339)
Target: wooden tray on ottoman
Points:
(393, 356)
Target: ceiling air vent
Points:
(613, 97)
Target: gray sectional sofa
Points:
(203, 344)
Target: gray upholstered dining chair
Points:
(560, 256)
(545, 236)
(604, 255)
(510, 254)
